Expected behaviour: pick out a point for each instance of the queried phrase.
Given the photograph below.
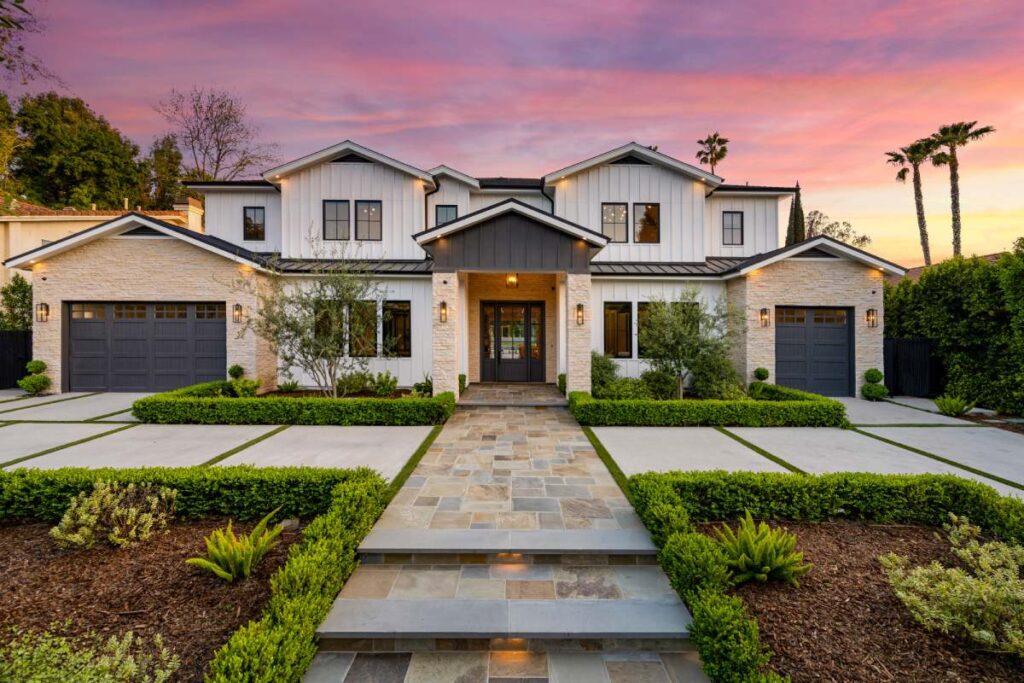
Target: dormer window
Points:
(646, 223)
(336, 219)
(732, 228)
(254, 223)
(369, 224)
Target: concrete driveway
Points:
(861, 412)
(73, 408)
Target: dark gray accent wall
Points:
(511, 242)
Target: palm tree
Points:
(909, 160)
(713, 149)
(952, 137)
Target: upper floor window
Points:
(445, 213)
(646, 223)
(254, 223)
(732, 228)
(368, 220)
(336, 220)
(614, 222)
(618, 329)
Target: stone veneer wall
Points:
(577, 291)
(145, 269)
(445, 335)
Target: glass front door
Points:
(512, 342)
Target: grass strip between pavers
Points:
(973, 425)
(933, 456)
(49, 403)
(613, 467)
(403, 475)
(760, 451)
(66, 445)
(16, 398)
(100, 417)
(71, 422)
(241, 447)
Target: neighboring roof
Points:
(713, 267)
(384, 267)
(201, 185)
(502, 183)
(637, 150)
(328, 153)
(457, 175)
(511, 205)
(753, 189)
(825, 244)
(20, 208)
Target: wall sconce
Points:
(512, 280)
(237, 313)
(443, 308)
(42, 312)
(579, 314)
(871, 317)
(766, 317)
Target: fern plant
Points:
(758, 552)
(953, 406)
(234, 557)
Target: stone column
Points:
(577, 338)
(445, 335)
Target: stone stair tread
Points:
(487, 541)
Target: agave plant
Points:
(235, 557)
(758, 552)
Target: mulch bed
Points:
(844, 623)
(986, 420)
(147, 589)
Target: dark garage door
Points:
(144, 346)
(813, 349)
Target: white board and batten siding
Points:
(451, 192)
(303, 194)
(761, 217)
(224, 217)
(620, 290)
(578, 198)
(481, 200)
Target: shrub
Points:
(761, 374)
(694, 562)
(426, 387)
(236, 371)
(603, 371)
(728, 640)
(354, 383)
(34, 384)
(49, 657)
(35, 367)
(120, 515)
(462, 383)
(561, 382)
(873, 376)
(953, 406)
(235, 557)
(625, 388)
(874, 392)
(662, 386)
(385, 384)
(288, 387)
(758, 552)
(715, 377)
(983, 601)
(245, 388)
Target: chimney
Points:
(192, 210)
(125, 203)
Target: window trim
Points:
(604, 330)
(355, 220)
(610, 240)
(263, 225)
(743, 229)
(323, 220)
(437, 220)
(636, 204)
(385, 321)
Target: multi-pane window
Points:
(397, 329)
(830, 316)
(211, 312)
(732, 228)
(615, 222)
(646, 223)
(170, 311)
(368, 220)
(336, 219)
(254, 223)
(88, 311)
(618, 330)
(129, 311)
(445, 213)
(362, 331)
(791, 316)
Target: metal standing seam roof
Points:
(711, 267)
(393, 267)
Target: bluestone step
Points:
(489, 541)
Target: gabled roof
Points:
(457, 175)
(246, 185)
(772, 190)
(636, 150)
(503, 183)
(820, 242)
(340, 149)
(133, 221)
(507, 206)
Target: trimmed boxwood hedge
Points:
(774, 406)
(214, 403)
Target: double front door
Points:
(512, 342)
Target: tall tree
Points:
(218, 141)
(16, 63)
(712, 150)
(796, 231)
(74, 157)
(10, 143)
(16, 304)
(909, 160)
(164, 173)
(952, 137)
(820, 224)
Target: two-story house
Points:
(499, 279)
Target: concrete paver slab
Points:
(84, 408)
(929, 405)
(385, 449)
(151, 446)
(19, 440)
(861, 412)
(664, 449)
(14, 409)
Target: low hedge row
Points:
(727, 639)
(788, 410)
(212, 403)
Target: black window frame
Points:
(437, 217)
(352, 343)
(355, 227)
(389, 348)
(629, 332)
(624, 205)
(732, 229)
(657, 205)
(245, 223)
(348, 220)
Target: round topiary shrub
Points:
(873, 376)
(761, 374)
(34, 384)
(236, 371)
(874, 392)
(35, 367)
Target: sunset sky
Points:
(807, 91)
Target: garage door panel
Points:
(813, 350)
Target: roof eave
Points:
(845, 250)
(658, 158)
(278, 172)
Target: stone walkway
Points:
(522, 395)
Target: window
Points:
(791, 316)
(362, 332)
(398, 329)
(445, 213)
(211, 312)
(88, 311)
(170, 311)
(615, 221)
(647, 223)
(618, 330)
(254, 223)
(732, 228)
(129, 311)
(830, 316)
(368, 220)
(336, 220)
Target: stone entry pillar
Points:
(445, 334)
(577, 338)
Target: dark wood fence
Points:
(911, 368)
(15, 351)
